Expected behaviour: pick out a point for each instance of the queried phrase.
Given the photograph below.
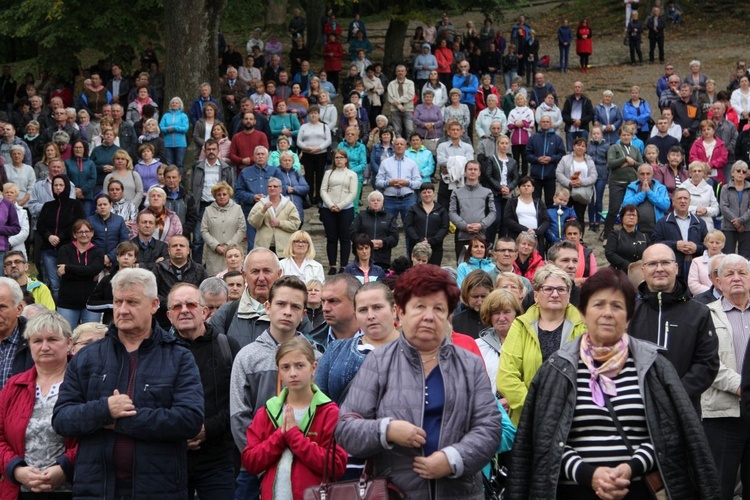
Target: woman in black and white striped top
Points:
(606, 415)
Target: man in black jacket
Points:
(178, 269)
(577, 113)
(210, 464)
(151, 251)
(179, 200)
(666, 316)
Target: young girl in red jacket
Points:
(289, 438)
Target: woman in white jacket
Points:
(703, 202)
(17, 241)
(549, 108)
(300, 259)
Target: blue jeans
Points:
(76, 316)
(508, 77)
(572, 136)
(213, 484)
(597, 206)
(176, 156)
(394, 206)
(248, 486)
(564, 52)
(197, 246)
(49, 263)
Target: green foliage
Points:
(241, 16)
(64, 28)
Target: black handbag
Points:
(364, 488)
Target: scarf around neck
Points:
(603, 363)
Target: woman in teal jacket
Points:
(283, 121)
(82, 173)
(421, 156)
(175, 125)
(357, 159)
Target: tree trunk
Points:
(314, 10)
(276, 12)
(191, 30)
(393, 53)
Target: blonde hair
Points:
(715, 234)
(298, 344)
(121, 153)
(90, 327)
(222, 185)
(288, 253)
(495, 302)
(550, 271)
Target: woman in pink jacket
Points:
(521, 126)
(710, 149)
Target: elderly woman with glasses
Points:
(535, 335)
(299, 259)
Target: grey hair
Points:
(214, 286)
(733, 259)
(260, 148)
(32, 310)
(61, 137)
(88, 327)
(17, 147)
(48, 321)
(694, 62)
(158, 189)
(738, 164)
(713, 263)
(349, 106)
(182, 106)
(382, 117)
(647, 164)
(609, 93)
(136, 277)
(550, 271)
(261, 250)
(352, 284)
(428, 92)
(422, 249)
(375, 194)
(15, 289)
(492, 96)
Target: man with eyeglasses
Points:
(564, 254)
(671, 93)
(209, 456)
(505, 253)
(662, 83)
(179, 268)
(681, 231)
(666, 315)
(17, 268)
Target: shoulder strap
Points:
(226, 351)
(617, 423)
(231, 313)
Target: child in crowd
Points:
(288, 440)
(559, 213)
(597, 149)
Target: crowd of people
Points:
(183, 337)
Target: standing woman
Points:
(275, 218)
(363, 267)
(584, 43)
(221, 136)
(504, 173)
(293, 184)
(710, 149)
(132, 183)
(607, 116)
(338, 191)
(524, 214)
(203, 129)
(109, 229)
(521, 126)
(78, 265)
(32, 455)
(175, 126)
(497, 313)
(623, 160)
(456, 110)
(637, 110)
(564, 39)
(740, 102)
(283, 123)
(82, 173)
(735, 211)
(313, 140)
(299, 259)
(55, 227)
(223, 225)
(427, 222)
(577, 170)
(168, 224)
(152, 135)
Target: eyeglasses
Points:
(740, 171)
(300, 242)
(658, 263)
(83, 232)
(11, 263)
(192, 306)
(549, 290)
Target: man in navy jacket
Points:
(544, 151)
(133, 400)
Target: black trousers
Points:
(729, 440)
(635, 48)
(315, 168)
(337, 225)
(653, 41)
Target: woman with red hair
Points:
(420, 406)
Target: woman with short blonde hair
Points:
(300, 258)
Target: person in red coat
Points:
(710, 149)
(289, 439)
(333, 52)
(584, 43)
(33, 458)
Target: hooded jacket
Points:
(684, 328)
(309, 442)
(422, 60)
(57, 216)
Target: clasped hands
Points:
(408, 435)
(611, 483)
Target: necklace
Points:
(428, 360)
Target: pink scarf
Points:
(610, 360)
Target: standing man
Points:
(727, 432)
(118, 86)
(472, 208)
(195, 112)
(151, 251)
(255, 373)
(681, 231)
(544, 151)
(206, 174)
(399, 178)
(468, 84)
(232, 91)
(662, 140)
(95, 96)
(687, 115)
(338, 310)
(244, 143)
(401, 98)
(452, 156)
(655, 24)
(124, 131)
(540, 90)
(133, 400)
(15, 356)
(179, 200)
(178, 269)
(666, 316)
(252, 185)
(727, 132)
(577, 113)
(209, 457)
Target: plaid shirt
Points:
(8, 349)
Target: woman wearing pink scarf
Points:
(135, 108)
(607, 416)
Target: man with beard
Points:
(242, 148)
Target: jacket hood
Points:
(429, 48)
(490, 336)
(66, 192)
(679, 294)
